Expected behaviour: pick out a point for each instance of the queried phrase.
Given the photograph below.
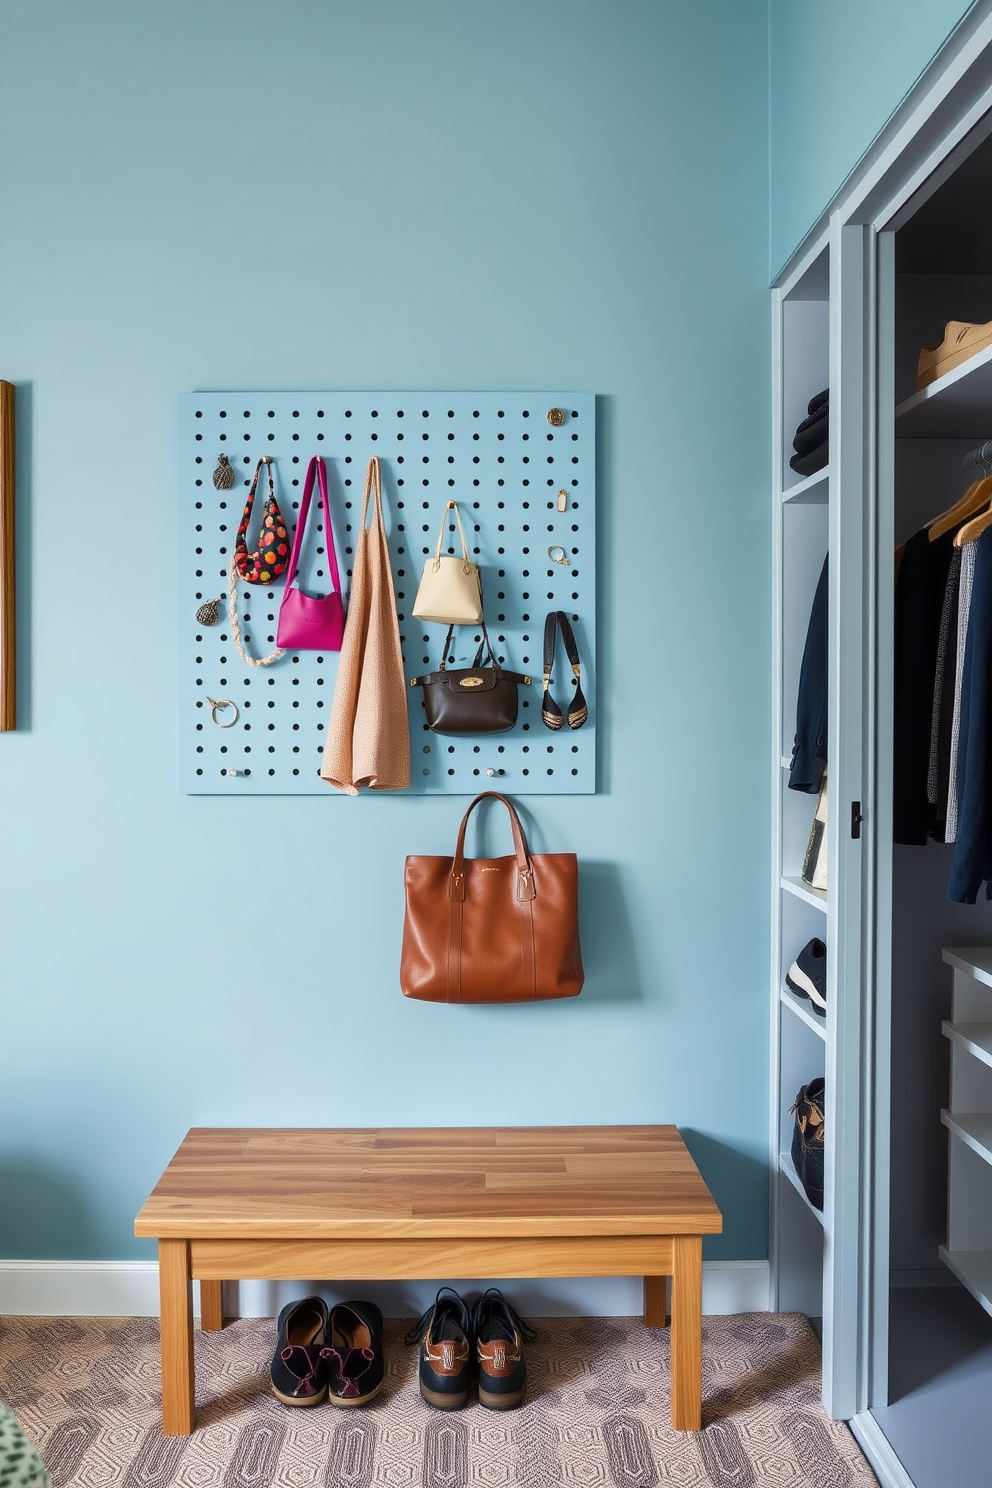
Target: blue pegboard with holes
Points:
(522, 467)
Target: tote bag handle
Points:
(316, 467)
(525, 876)
(466, 560)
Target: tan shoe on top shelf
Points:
(962, 340)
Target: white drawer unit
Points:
(968, 1251)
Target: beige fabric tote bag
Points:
(368, 737)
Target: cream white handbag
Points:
(450, 590)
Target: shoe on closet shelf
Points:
(499, 1351)
(352, 1353)
(807, 976)
(808, 1134)
(445, 1362)
(297, 1372)
(962, 339)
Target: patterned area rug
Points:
(597, 1412)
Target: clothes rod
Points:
(980, 458)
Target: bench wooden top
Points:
(452, 1182)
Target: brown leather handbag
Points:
(492, 929)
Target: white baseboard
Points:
(130, 1289)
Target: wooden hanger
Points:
(975, 528)
(977, 494)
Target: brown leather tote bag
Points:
(492, 929)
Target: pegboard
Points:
(499, 457)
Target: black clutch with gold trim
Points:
(471, 700)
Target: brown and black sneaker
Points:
(499, 1350)
(445, 1353)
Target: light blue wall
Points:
(371, 193)
(838, 69)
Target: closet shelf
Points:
(974, 1128)
(805, 1014)
(976, 1038)
(816, 897)
(813, 491)
(973, 1268)
(956, 406)
(786, 1167)
(975, 961)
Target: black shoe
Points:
(352, 1353)
(297, 1372)
(807, 976)
(499, 1351)
(807, 1139)
(443, 1333)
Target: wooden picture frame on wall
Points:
(8, 643)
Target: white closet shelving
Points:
(800, 537)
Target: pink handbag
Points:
(311, 622)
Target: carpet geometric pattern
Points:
(86, 1391)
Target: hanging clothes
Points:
(919, 599)
(938, 773)
(809, 752)
(973, 848)
(965, 590)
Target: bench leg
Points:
(211, 1306)
(176, 1306)
(655, 1301)
(687, 1330)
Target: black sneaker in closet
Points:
(807, 976)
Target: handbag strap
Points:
(578, 712)
(254, 484)
(316, 467)
(525, 876)
(484, 644)
(373, 484)
(466, 560)
(246, 514)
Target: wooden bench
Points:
(404, 1204)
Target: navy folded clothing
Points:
(811, 433)
(810, 463)
(820, 401)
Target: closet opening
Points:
(932, 1391)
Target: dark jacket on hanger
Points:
(973, 848)
(920, 587)
(809, 753)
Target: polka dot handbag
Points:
(272, 555)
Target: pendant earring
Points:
(223, 475)
(208, 613)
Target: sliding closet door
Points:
(851, 690)
(878, 846)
